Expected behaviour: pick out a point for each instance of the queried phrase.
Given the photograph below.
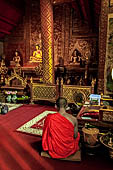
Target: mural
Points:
(109, 57)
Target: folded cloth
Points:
(58, 136)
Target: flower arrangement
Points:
(10, 92)
(7, 92)
(14, 92)
(11, 96)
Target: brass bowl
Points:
(110, 148)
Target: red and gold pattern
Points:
(47, 40)
(70, 92)
(35, 125)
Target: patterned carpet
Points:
(21, 151)
(35, 125)
(12, 106)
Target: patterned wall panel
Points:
(71, 93)
(66, 32)
(43, 92)
(47, 40)
(57, 12)
(35, 26)
(71, 33)
(76, 93)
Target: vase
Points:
(8, 98)
(90, 135)
(4, 109)
(14, 97)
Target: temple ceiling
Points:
(11, 12)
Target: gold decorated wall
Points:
(102, 44)
(108, 82)
(35, 25)
(26, 35)
(69, 33)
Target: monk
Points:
(60, 133)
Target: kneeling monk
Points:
(60, 133)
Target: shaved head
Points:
(61, 102)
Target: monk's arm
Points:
(76, 128)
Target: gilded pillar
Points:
(47, 40)
(102, 43)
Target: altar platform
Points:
(91, 114)
(29, 70)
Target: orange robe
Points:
(58, 136)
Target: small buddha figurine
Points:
(3, 61)
(16, 59)
(76, 57)
(37, 55)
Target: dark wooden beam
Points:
(18, 5)
(4, 31)
(80, 9)
(97, 7)
(89, 13)
(91, 3)
(98, 2)
(4, 19)
(82, 5)
(76, 8)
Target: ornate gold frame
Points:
(110, 3)
(106, 115)
(17, 76)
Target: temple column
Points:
(47, 40)
(102, 43)
(27, 30)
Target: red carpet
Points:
(16, 154)
(19, 151)
(35, 125)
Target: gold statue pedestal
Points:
(31, 64)
(12, 63)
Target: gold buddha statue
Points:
(16, 59)
(37, 55)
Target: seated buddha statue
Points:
(76, 57)
(37, 55)
(16, 59)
